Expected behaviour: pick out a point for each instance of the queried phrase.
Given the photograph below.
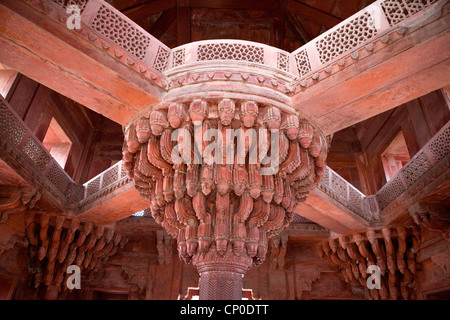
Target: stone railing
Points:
(104, 183)
(345, 193)
(26, 155)
(111, 30)
(230, 50)
(370, 207)
(354, 32)
(429, 157)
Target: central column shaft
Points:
(220, 285)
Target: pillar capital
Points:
(223, 175)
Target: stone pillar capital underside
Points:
(223, 175)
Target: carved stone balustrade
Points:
(124, 40)
(222, 177)
(25, 154)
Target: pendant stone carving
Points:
(223, 177)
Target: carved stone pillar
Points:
(220, 285)
(221, 275)
(223, 176)
(432, 216)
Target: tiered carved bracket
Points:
(222, 213)
(56, 242)
(164, 247)
(393, 250)
(16, 200)
(434, 217)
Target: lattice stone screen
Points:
(398, 10)
(348, 36)
(65, 3)
(341, 190)
(121, 32)
(302, 62)
(104, 183)
(34, 150)
(283, 61)
(10, 126)
(178, 57)
(162, 59)
(435, 151)
(29, 153)
(230, 51)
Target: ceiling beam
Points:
(122, 5)
(312, 14)
(147, 9)
(163, 22)
(233, 4)
(183, 25)
(297, 28)
(102, 84)
(405, 68)
(278, 27)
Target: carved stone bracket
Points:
(434, 217)
(392, 250)
(303, 282)
(218, 196)
(136, 276)
(278, 248)
(16, 200)
(164, 247)
(56, 242)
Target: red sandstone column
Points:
(221, 273)
(220, 285)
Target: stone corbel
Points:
(59, 241)
(164, 247)
(16, 200)
(303, 282)
(432, 216)
(442, 260)
(278, 248)
(136, 276)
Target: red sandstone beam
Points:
(319, 208)
(405, 68)
(60, 59)
(183, 25)
(327, 212)
(117, 205)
